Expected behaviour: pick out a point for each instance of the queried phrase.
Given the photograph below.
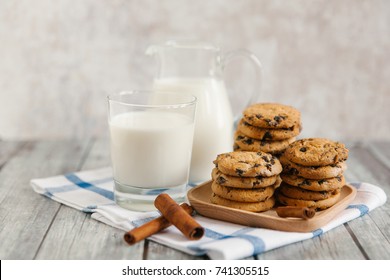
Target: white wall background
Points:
(59, 59)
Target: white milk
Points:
(151, 149)
(213, 121)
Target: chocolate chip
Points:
(265, 158)
(267, 136)
(221, 180)
(338, 178)
(269, 166)
(320, 182)
(256, 165)
(278, 119)
(303, 149)
(272, 161)
(239, 172)
(248, 141)
(239, 137)
(304, 182)
(259, 116)
(293, 171)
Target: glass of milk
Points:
(151, 136)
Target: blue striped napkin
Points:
(92, 192)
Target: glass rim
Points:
(111, 98)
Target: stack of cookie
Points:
(312, 173)
(245, 180)
(267, 127)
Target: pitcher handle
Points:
(231, 55)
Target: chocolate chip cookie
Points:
(248, 164)
(299, 193)
(243, 182)
(316, 204)
(247, 206)
(316, 152)
(329, 184)
(243, 195)
(245, 143)
(272, 115)
(270, 134)
(312, 172)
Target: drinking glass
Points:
(151, 136)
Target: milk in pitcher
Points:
(213, 119)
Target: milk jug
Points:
(197, 68)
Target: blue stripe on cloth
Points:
(361, 207)
(197, 251)
(89, 209)
(67, 188)
(213, 234)
(88, 186)
(48, 194)
(142, 221)
(257, 243)
(317, 232)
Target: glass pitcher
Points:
(197, 68)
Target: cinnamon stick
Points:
(178, 217)
(140, 233)
(295, 212)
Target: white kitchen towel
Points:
(92, 192)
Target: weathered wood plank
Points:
(26, 216)
(9, 149)
(372, 232)
(381, 151)
(75, 235)
(99, 155)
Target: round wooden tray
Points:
(199, 197)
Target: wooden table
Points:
(35, 227)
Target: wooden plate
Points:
(199, 197)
